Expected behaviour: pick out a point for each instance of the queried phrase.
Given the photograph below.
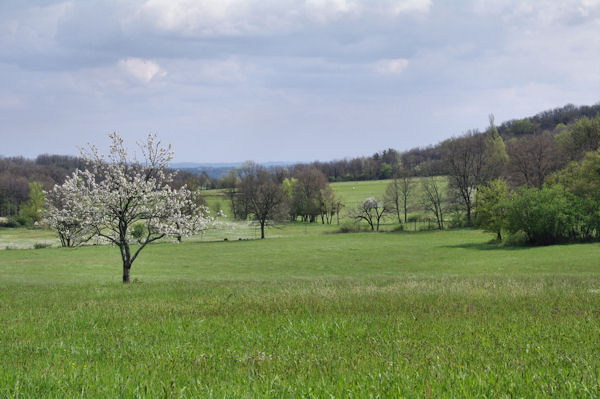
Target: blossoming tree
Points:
(125, 201)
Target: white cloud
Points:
(391, 66)
(142, 70)
(538, 11)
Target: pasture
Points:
(352, 194)
(307, 314)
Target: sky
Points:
(283, 80)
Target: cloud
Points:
(142, 70)
(391, 66)
(248, 68)
(208, 18)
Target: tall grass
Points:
(431, 314)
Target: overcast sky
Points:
(282, 80)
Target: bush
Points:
(544, 215)
(10, 222)
(349, 226)
(41, 245)
(457, 219)
(20, 221)
(517, 239)
(415, 217)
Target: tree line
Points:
(22, 179)
(474, 163)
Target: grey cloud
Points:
(308, 77)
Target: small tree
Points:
(472, 160)
(117, 193)
(372, 211)
(433, 199)
(397, 194)
(330, 205)
(31, 212)
(392, 198)
(306, 193)
(262, 197)
(65, 214)
(229, 183)
(492, 201)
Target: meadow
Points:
(352, 193)
(307, 314)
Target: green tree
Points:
(582, 179)
(581, 137)
(492, 201)
(31, 211)
(385, 171)
(545, 215)
(495, 149)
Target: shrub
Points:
(544, 215)
(10, 222)
(457, 218)
(41, 245)
(19, 221)
(349, 226)
(517, 239)
(415, 217)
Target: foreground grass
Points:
(396, 314)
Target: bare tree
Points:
(372, 211)
(471, 160)
(229, 183)
(434, 198)
(397, 194)
(392, 198)
(406, 188)
(532, 159)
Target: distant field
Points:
(430, 314)
(352, 194)
(21, 238)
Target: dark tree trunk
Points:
(126, 268)
(262, 230)
(127, 261)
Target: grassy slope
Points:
(414, 314)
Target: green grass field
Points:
(308, 314)
(352, 193)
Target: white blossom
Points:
(115, 193)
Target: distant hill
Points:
(216, 170)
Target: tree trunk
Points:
(262, 230)
(126, 268)
(126, 257)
